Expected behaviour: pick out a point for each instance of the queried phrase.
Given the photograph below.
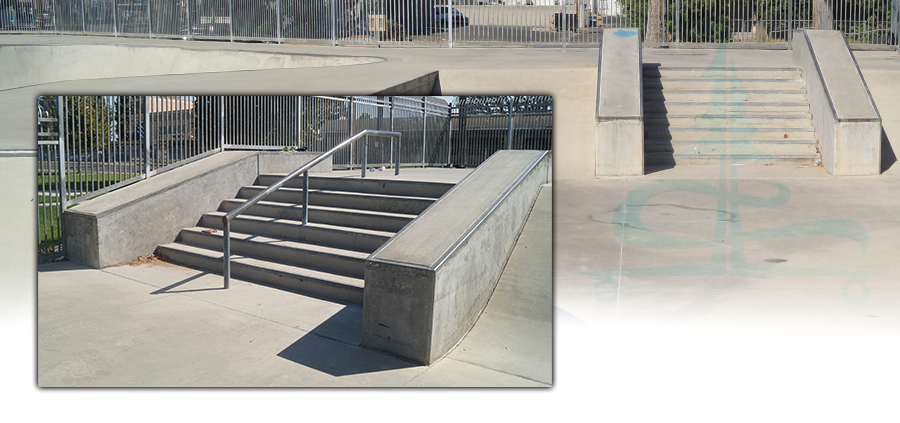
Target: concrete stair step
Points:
(770, 147)
(354, 239)
(322, 284)
(714, 95)
(310, 256)
(358, 201)
(727, 120)
(719, 72)
(369, 186)
(694, 133)
(663, 159)
(723, 83)
(361, 219)
(721, 107)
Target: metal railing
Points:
(448, 22)
(102, 143)
(228, 217)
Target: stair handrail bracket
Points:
(228, 217)
(619, 143)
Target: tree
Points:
(89, 122)
(823, 14)
(656, 23)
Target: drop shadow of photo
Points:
(888, 157)
(326, 348)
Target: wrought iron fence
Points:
(480, 126)
(449, 22)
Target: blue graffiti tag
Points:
(628, 227)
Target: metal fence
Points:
(449, 22)
(480, 126)
(90, 145)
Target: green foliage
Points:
(89, 123)
(502, 104)
(714, 21)
(393, 31)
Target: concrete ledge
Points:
(427, 286)
(423, 85)
(620, 114)
(24, 65)
(847, 123)
(132, 221)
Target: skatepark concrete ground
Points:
(713, 293)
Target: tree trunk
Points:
(823, 15)
(656, 23)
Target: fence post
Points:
(350, 119)
(149, 19)
(677, 22)
(509, 134)
(146, 137)
(333, 25)
(221, 123)
(230, 21)
(365, 155)
(187, 12)
(299, 122)
(790, 26)
(83, 12)
(115, 18)
(278, 16)
(391, 115)
(424, 126)
(61, 129)
(450, 26)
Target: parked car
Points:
(442, 17)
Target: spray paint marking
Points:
(728, 238)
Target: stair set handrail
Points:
(226, 220)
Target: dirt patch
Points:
(152, 258)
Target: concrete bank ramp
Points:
(24, 65)
(427, 286)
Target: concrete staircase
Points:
(349, 218)
(748, 115)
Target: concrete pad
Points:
(514, 333)
(99, 328)
(458, 374)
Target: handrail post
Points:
(226, 219)
(397, 158)
(365, 155)
(305, 198)
(226, 257)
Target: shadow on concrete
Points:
(168, 289)
(60, 266)
(888, 157)
(322, 350)
(657, 168)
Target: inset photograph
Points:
(295, 241)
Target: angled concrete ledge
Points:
(24, 65)
(846, 120)
(427, 286)
(132, 221)
(620, 115)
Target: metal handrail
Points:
(226, 220)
